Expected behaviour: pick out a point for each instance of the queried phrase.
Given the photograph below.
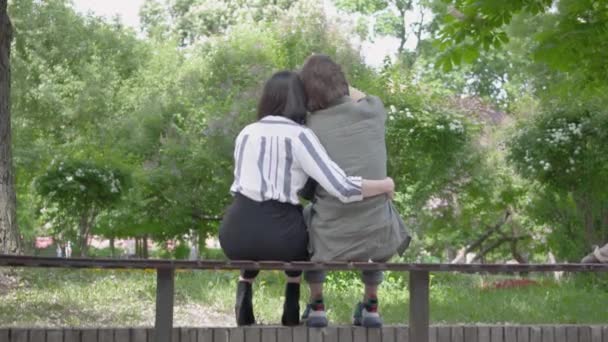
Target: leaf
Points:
(469, 53)
(503, 37)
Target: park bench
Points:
(418, 279)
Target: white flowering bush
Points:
(565, 151)
(428, 141)
(558, 149)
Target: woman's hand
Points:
(391, 186)
(371, 188)
(355, 94)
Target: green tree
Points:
(574, 38)
(67, 71)
(79, 191)
(193, 20)
(390, 18)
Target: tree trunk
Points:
(591, 220)
(82, 234)
(137, 248)
(478, 244)
(403, 31)
(145, 246)
(112, 249)
(85, 225)
(10, 242)
(201, 244)
(418, 32)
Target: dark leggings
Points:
(268, 230)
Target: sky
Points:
(128, 11)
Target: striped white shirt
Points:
(274, 157)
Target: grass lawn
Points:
(56, 297)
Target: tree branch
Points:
(454, 12)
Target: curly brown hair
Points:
(324, 82)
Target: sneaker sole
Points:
(372, 324)
(316, 322)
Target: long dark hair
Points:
(284, 96)
(324, 81)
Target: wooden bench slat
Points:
(548, 334)
(389, 334)
(596, 334)
(535, 334)
(140, 335)
(560, 334)
(33, 261)
(444, 334)
(374, 335)
(37, 335)
(19, 335)
(220, 335)
(571, 334)
(206, 335)
(523, 334)
(89, 335)
(584, 334)
(345, 334)
(4, 334)
(253, 335)
(458, 334)
(314, 335)
(54, 336)
(483, 334)
(283, 335)
(236, 335)
(471, 334)
(510, 334)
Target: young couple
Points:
(313, 139)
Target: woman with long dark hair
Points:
(274, 157)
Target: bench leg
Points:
(164, 305)
(419, 306)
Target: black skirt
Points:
(268, 230)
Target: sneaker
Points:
(291, 307)
(243, 309)
(314, 315)
(366, 314)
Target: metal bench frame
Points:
(165, 277)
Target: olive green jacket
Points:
(353, 135)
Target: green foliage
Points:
(166, 108)
(572, 39)
(473, 25)
(363, 6)
(64, 93)
(191, 21)
(76, 186)
(389, 16)
(74, 193)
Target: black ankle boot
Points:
(243, 308)
(291, 307)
